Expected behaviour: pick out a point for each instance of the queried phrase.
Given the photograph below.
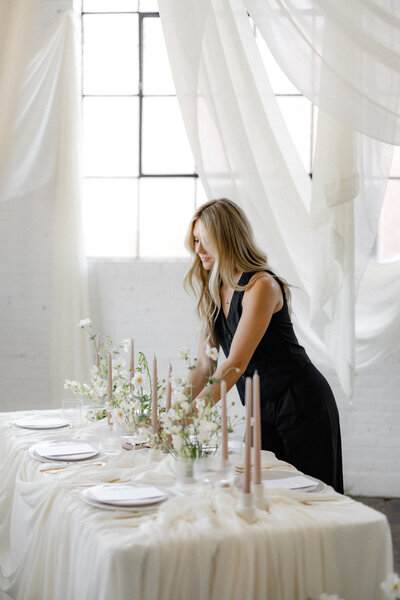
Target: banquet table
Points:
(54, 545)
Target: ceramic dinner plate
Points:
(40, 423)
(286, 480)
(132, 498)
(63, 450)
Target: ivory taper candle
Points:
(247, 448)
(224, 440)
(154, 405)
(257, 428)
(132, 366)
(168, 398)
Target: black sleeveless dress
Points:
(299, 416)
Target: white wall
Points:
(146, 300)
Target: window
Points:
(140, 185)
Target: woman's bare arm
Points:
(260, 301)
(204, 367)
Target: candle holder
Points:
(246, 507)
(259, 496)
(214, 470)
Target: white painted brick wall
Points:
(146, 300)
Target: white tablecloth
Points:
(54, 546)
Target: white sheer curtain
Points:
(318, 235)
(42, 193)
(17, 22)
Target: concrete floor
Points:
(391, 508)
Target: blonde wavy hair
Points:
(229, 238)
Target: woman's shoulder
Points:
(264, 285)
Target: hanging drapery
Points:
(319, 235)
(17, 22)
(43, 178)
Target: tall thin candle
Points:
(168, 398)
(224, 440)
(132, 367)
(247, 449)
(257, 428)
(154, 406)
(109, 387)
(98, 340)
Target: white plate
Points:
(286, 480)
(43, 423)
(85, 495)
(127, 495)
(64, 450)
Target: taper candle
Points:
(169, 387)
(247, 449)
(109, 387)
(154, 406)
(98, 340)
(132, 367)
(257, 427)
(224, 440)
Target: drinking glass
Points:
(72, 411)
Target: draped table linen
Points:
(54, 545)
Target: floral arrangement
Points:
(131, 396)
(189, 430)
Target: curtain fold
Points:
(42, 181)
(318, 234)
(17, 24)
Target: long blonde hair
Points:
(229, 238)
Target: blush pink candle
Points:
(247, 448)
(257, 428)
(154, 405)
(224, 417)
(98, 339)
(109, 387)
(168, 398)
(132, 367)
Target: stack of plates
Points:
(128, 498)
(63, 450)
(39, 422)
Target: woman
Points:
(243, 307)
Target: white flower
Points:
(183, 353)
(126, 344)
(84, 322)
(391, 586)
(185, 406)
(177, 442)
(329, 597)
(117, 415)
(118, 362)
(211, 352)
(180, 397)
(137, 380)
(176, 383)
(94, 370)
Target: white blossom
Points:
(211, 352)
(184, 353)
(137, 380)
(391, 586)
(84, 322)
(126, 344)
(177, 442)
(117, 415)
(185, 406)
